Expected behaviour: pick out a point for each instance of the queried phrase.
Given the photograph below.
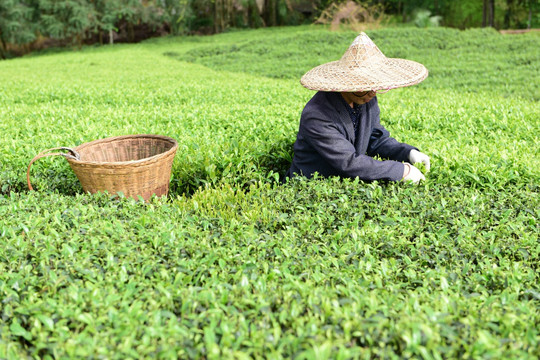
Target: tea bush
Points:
(237, 264)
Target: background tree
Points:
(178, 15)
(107, 13)
(489, 13)
(23, 22)
(16, 26)
(66, 19)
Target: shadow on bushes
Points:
(268, 166)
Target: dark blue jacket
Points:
(327, 143)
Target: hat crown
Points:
(361, 50)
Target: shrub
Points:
(236, 264)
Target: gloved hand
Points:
(411, 173)
(416, 156)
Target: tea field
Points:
(237, 263)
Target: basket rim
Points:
(130, 162)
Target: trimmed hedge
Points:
(235, 263)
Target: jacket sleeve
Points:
(380, 142)
(325, 137)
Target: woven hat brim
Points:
(389, 73)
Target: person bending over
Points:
(340, 130)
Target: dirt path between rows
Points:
(520, 31)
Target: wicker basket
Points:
(137, 165)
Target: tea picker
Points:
(340, 130)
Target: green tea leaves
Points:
(238, 262)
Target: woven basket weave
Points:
(137, 165)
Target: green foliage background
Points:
(235, 263)
(26, 25)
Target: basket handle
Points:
(74, 155)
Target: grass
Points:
(235, 263)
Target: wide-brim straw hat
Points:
(364, 67)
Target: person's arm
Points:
(331, 144)
(381, 143)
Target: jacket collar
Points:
(343, 112)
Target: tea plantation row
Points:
(235, 263)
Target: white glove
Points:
(411, 173)
(416, 156)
